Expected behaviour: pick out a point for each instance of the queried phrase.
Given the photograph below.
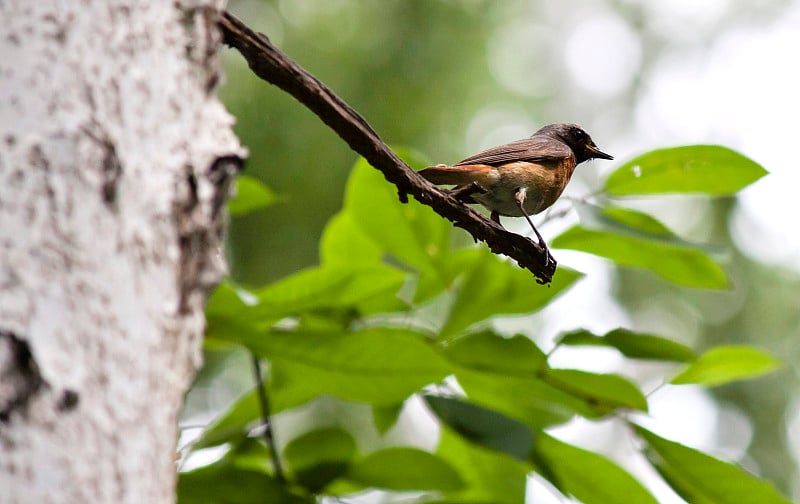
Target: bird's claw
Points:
(464, 193)
(549, 260)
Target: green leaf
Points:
(589, 477)
(636, 220)
(330, 444)
(727, 364)
(233, 423)
(487, 351)
(251, 195)
(483, 426)
(434, 280)
(376, 366)
(529, 400)
(497, 287)
(631, 344)
(325, 290)
(489, 476)
(226, 302)
(344, 243)
(227, 314)
(603, 392)
(318, 457)
(636, 224)
(702, 479)
(510, 375)
(405, 469)
(250, 453)
(682, 265)
(328, 287)
(410, 232)
(553, 396)
(385, 417)
(225, 483)
(706, 169)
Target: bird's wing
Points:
(536, 149)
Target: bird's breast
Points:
(543, 184)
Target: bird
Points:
(521, 178)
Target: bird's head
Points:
(578, 140)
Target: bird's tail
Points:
(453, 175)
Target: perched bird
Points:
(521, 178)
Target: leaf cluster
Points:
(401, 306)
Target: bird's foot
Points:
(548, 258)
(464, 193)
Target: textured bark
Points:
(114, 160)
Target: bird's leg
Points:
(495, 217)
(519, 196)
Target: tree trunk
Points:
(115, 157)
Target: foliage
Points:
(250, 195)
(400, 306)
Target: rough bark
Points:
(114, 160)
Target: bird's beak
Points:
(597, 153)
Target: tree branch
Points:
(272, 65)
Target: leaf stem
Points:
(269, 435)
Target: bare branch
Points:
(272, 65)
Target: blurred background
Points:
(448, 78)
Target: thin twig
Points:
(269, 63)
(269, 436)
(552, 351)
(656, 389)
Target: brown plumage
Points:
(521, 178)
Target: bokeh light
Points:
(603, 55)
